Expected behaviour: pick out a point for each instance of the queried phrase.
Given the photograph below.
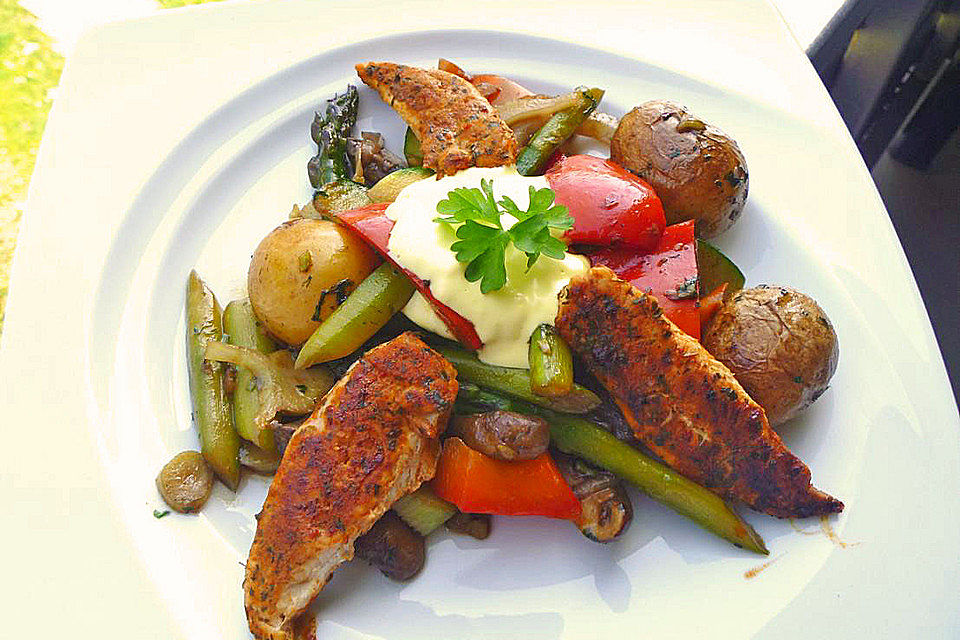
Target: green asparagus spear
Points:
(375, 300)
(551, 363)
(219, 442)
(555, 132)
(516, 382)
(330, 131)
(578, 436)
(244, 330)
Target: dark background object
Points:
(893, 70)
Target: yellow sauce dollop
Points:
(504, 319)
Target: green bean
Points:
(555, 132)
(244, 330)
(578, 436)
(219, 442)
(515, 382)
(375, 300)
(551, 363)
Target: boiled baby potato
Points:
(697, 171)
(301, 272)
(780, 346)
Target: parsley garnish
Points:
(159, 514)
(483, 241)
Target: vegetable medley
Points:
(476, 252)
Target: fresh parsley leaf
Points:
(483, 249)
(463, 204)
(482, 241)
(159, 514)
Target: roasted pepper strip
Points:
(219, 442)
(711, 303)
(479, 484)
(578, 436)
(610, 205)
(372, 224)
(668, 272)
(551, 363)
(375, 300)
(515, 382)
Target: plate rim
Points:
(39, 179)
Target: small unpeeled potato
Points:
(697, 171)
(780, 346)
(185, 482)
(301, 272)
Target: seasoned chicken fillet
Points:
(680, 402)
(371, 441)
(456, 126)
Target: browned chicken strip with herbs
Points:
(682, 403)
(455, 124)
(373, 440)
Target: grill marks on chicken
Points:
(455, 124)
(371, 441)
(682, 403)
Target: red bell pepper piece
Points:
(711, 303)
(372, 224)
(477, 483)
(609, 204)
(669, 272)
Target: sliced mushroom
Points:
(393, 547)
(185, 482)
(475, 525)
(283, 431)
(503, 435)
(370, 159)
(605, 506)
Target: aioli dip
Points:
(504, 319)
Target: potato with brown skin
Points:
(779, 344)
(185, 482)
(301, 272)
(697, 170)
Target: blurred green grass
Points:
(30, 68)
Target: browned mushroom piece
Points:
(605, 506)
(503, 435)
(370, 159)
(185, 482)
(779, 344)
(697, 170)
(475, 525)
(393, 547)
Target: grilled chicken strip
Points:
(681, 402)
(371, 441)
(456, 126)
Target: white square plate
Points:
(180, 140)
